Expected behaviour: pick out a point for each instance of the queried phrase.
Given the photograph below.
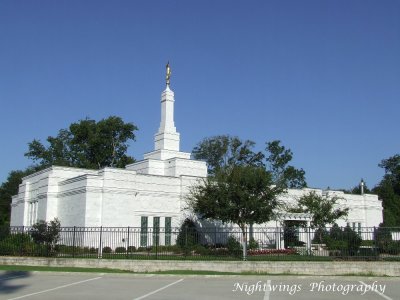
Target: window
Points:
(168, 231)
(32, 212)
(156, 231)
(143, 231)
(359, 228)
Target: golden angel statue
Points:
(168, 76)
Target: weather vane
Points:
(168, 75)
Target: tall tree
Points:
(392, 171)
(224, 151)
(389, 191)
(242, 194)
(86, 144)
(283, 174)
(8, 189)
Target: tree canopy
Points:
(242, 194)
(245, 195)
(357, 190)
(224, 151)
(389, 191)
(8, 189)
(284, 174)
(323, 208)
(86, 144)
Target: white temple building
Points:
(151, 192)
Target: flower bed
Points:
(272, 252)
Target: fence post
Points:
(73, 242)
(157, 237)
(215, 237)
(127, 244)
(186, 249)
(21, 243)
(100, 251)
(375, 245)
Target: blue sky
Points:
(321, 76)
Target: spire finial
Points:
(168, 73)
(362, 184)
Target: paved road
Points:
(99, 286)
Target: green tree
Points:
(241, 194)
(8, 189)
(86, 144)
(392, 171)
(324, 209)
(357, 190)
(283, 174)
(224, 151)
(389, 191)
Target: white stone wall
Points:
(118, 197)
(17, 211)
(40, 188)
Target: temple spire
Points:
(167, 138)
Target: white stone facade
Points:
(155, 187)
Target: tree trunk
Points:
(244, 237)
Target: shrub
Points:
(120, 250)
(333, 244)
(201, 250)
(4, 232)
(18, 244)
(46, 233)
(393, 248)
(368, 243)
(234, 246)
(188, 236)
(253, 244)
(131, 249)
(64, 249)
(163, 248)
(353, 240)
(336, 233)
(219, 251)
(347, 241)
(320, 236)
(383, 238)
(107, 249)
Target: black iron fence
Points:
(297, 243)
